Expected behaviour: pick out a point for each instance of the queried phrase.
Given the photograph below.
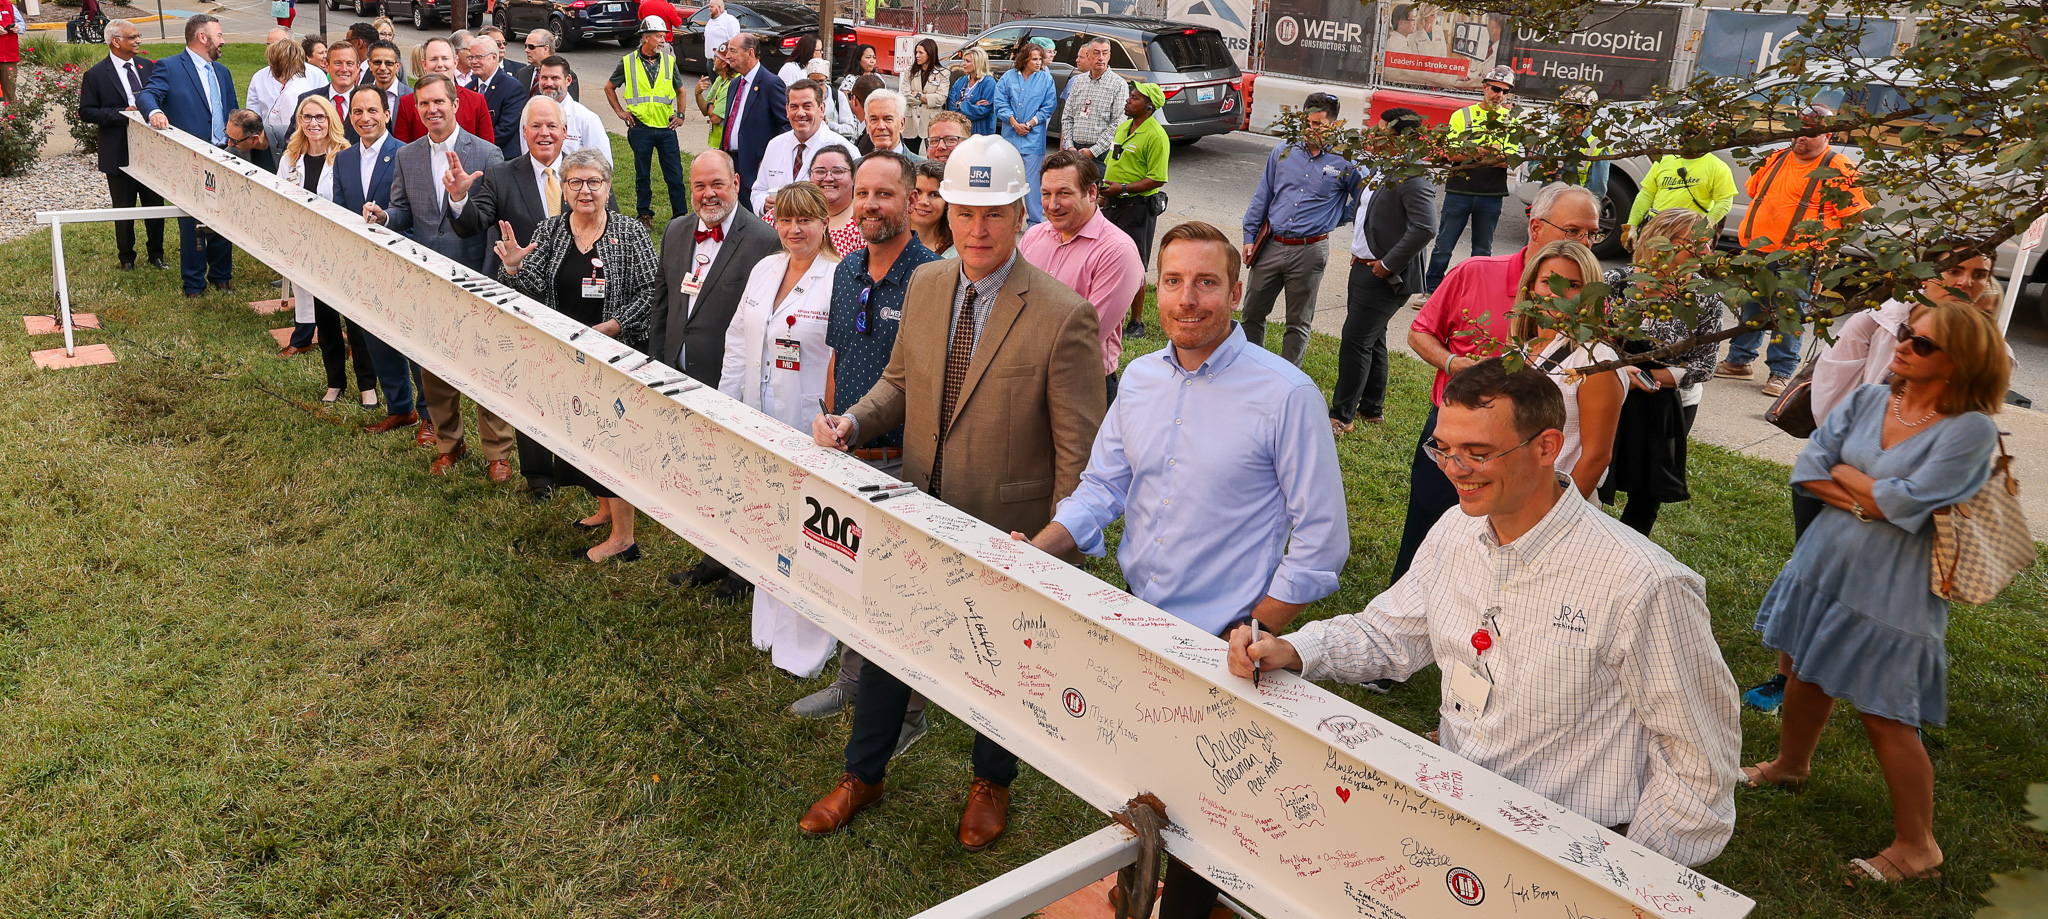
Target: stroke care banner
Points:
(1294, 800)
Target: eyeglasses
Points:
(825, 172)
(1921, 344)
(861, 321)
(583, 184)
(1470, 462)
(1578, 233)
(312, 116)
(937, 141)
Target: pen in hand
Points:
(1257, 669)
(836, 436)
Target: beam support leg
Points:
(1045, 880)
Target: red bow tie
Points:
(715, 234)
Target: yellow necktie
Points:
(554, 193)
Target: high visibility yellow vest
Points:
(653, 104)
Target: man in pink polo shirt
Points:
(1462, 324)
(1078, 245)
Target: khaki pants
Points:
(444, 409)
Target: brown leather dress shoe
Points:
(393, 423)
(498, 471)
(446, 461)
(293, 351)
(834, 811)
(426, 437)
(986, 816)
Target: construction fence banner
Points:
(1622, 50)
(1738, 44)
(1331, 40)
(1296, 801)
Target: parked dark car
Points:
(572, 21)
(780, 25)
(421, 13)
(1204, 89)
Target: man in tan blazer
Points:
(996, 378)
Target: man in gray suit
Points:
(516, 193)
(705, 259)
(1394, 226)
(427, 172)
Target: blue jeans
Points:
(646, 142)
(215, 263)
(1783, 355)
(394, 373)
(1484, 213)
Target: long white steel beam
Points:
(1291, 799)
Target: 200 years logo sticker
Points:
(1465, 886)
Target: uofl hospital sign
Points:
(1295, 801)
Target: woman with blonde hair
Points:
(776, 360)
(1592, 404)
(274, 91)
(308, 162)
(974, 94)
(1852, 616)
(1664, 396)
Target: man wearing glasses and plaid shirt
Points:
(1577, 656)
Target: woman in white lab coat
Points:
(776, 361)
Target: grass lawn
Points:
(255, 663)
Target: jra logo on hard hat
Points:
(979, 177)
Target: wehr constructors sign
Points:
(1330, 40)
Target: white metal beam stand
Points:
(1292, 800)
(60, 278)
(1045, 880)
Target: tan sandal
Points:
(1869, 872)
(1753, 777)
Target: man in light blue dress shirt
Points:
(1220, 459)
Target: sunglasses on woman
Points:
(1921, 344)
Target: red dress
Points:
(847, 239)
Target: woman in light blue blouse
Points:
(974, 94)
(1025, 99)
(1852, 616)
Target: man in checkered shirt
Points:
(1600, 685)
(1095, 102)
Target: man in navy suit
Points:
(756, 110)
(503, 93)
(109, 91)
(362, 175)
(194, 92)
(339, 88)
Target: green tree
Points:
(1953, 165)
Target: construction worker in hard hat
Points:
(996, 378)
(1485, 130)
(1569, 152)
(651, 83)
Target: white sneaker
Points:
(822, 704)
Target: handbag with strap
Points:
(1981, 544)
(280, 9)
(1792, 411)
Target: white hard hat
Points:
(985, 170)
(653, 24)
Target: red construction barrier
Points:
(1435, 108)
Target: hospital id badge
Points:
(692, 285)
(593, 288)
(1469, 690)
(789, 354)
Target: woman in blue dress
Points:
(974, 94)
(1025, 99)
(1852, 616)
